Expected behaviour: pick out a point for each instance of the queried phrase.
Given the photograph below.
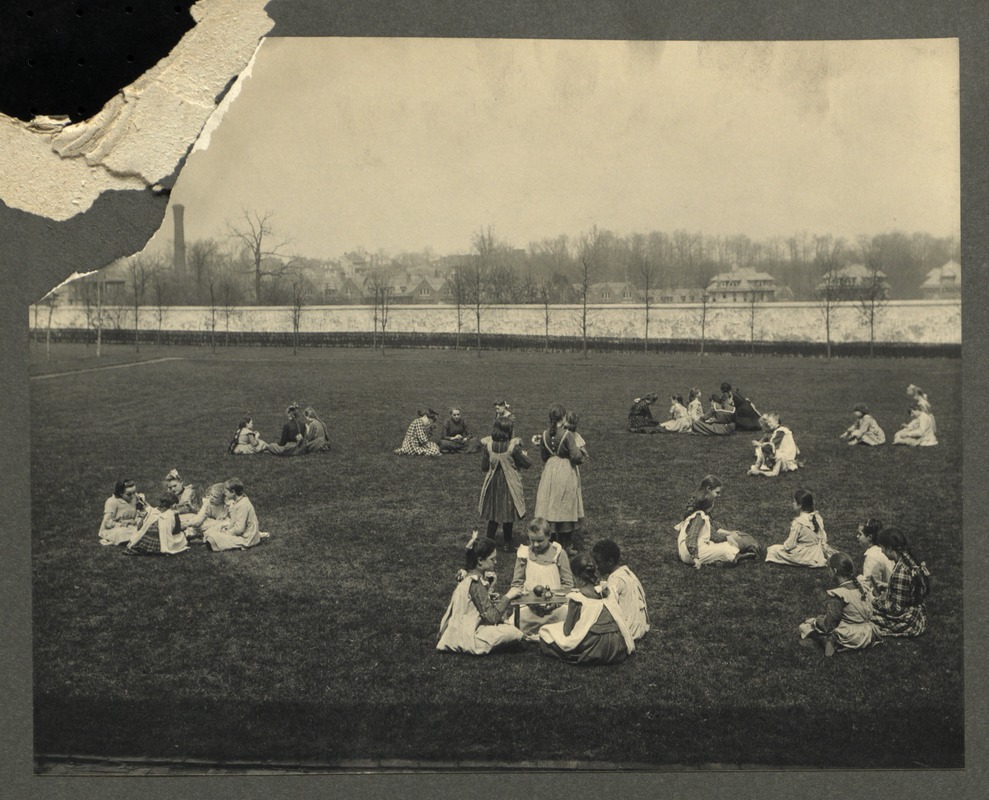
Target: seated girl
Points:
(188, 498)
(694, 543)
(417, 441)
(695, 409)
(122, 513)
(745, 542)
(781, 453)
(316, 439)
(846, 622)
(719, 421)
(919, 432)
(241, 530)
(807, 544)
(876, 568)
(161, 532)
(679, 421)
(475, 620)
(624, 586)
(541, 563)
(900, 610)
(746, 415)
(247, 441)
(865, 429)
(594, 632)
(212, 512)
(640, 418)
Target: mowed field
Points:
(320, 644)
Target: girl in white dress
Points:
(846, 623)
(876, 567)
(241, 530)
(807, 544)
(679, 421)
(541, 563)
(782, 451)
(123, 512)
(475, 620)
(694, 543)
(919, 432)
(695, 409)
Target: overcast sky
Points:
(403, 144)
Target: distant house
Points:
(742, 285)
(349, 291)
(429, 290)
(614, 292)
(857, 281)
(678, 294)
(943, 281)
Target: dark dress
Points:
(497, 503)
(746, 415)
(603, 644)
(640, 418)
(715, 423)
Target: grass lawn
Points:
(319, 644)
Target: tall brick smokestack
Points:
(178, 245)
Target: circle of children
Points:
(592, 609)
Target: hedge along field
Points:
(319, 644)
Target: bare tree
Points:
(137, 271)
(379, 282)
(100, 292)
(50, 300)
(264, 251)
(873, 291)
(705, 303)
(158, 278)
(828, 254)
(458, 290)
(588, 259)
(201, 258)
(642, 264)
(300, 291)
(212, 288)
(481, 266)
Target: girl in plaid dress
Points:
(900, 611)
(417, 442)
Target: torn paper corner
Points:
(141, 136)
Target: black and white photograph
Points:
(507, 405)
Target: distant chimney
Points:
(178, 245)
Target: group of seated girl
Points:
(921, 429)
(776, 451)
(862, 610)
(302, 434)
(594, 614)
(224, 519)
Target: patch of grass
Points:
(320, 643)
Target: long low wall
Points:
(907, 321)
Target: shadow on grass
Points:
(318, 733)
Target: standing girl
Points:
(474, 621)
(541, 563)
(845, 623)
(559, 500)
(900, 611)
(807, 544)
(502, 499)
(594, 631)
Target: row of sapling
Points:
(487, 276)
